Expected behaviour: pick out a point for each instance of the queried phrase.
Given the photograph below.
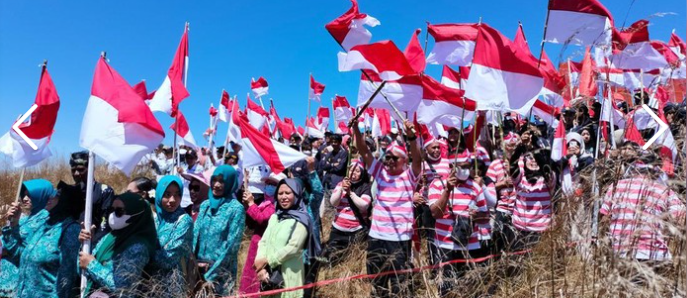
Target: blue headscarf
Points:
(231, 185)
(162, 186)
(39, 191)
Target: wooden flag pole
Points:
(21, 180)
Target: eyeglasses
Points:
(391, 157)
(194, 187)
(118, 211)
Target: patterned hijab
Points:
(231, 185)
(39, 191)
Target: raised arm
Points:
(364, 152)
(415, 154)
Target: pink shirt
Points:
(345, 219)
(466, 195)
(532, 209)
(392, 215)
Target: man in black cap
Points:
(103, 195)
(568, 118)
(335, 163)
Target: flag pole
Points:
(570, 79)
(88, 212)
(308, 116)
(546, 25)
(21, 180)
(426, 36)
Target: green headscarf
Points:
(39, 191)
(231, 185)
(162, 186)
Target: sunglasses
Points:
(194, 187)
(391, 157)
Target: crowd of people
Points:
(471, 193)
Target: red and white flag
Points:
(233, 131)
(455, 79)
(316, 90)
(381, 123)
(173, 89)
(323, 118)
(443, 105)
(300, 130)
(349, 29)
(579, 22)
(342, 109)
(142, 91)
(275, 122)
(312, 129)
(404, 93)
(38, 129)
(559, 147)
(554, 83)
(546, 113)
(117, 125)
(288, 128)
(677, 45)
(632, 49)
(454, 44)
(258, 149)
(610, 114)
(630, 79)
(341, 128)
(382, 57)
(588, 86)
(502, 76)
(181, 128)
(224, 112)
(259, 87)
(257, 116)
(415, 54)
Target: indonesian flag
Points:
(630, 79)
(404, 93)
(588, 86)
(316, 90)
(39, 129)
(234, 132)
(181, 128)
(382, 57)
(455, 79)
(443, 105)
(300, 130)
(367, 117)
(342, 109)
(259, 87)
(632, 133)
(502, 76)
(224, 113)
(415, 54)
(579, 22)
(323, 118)
(610, 114)
(142, 91)
(173, 89)
(349, 29)
(287, 128)
(554, 83)
(677, 46)
(312, 129)
(453, 43)
(666, 140)
(570, 72)
(381, 123)
(258, 149)
(257, 116)
(275, 121)
(341, 128)
(546, 113)
(632, 49)
(559, 147)
(117, 125)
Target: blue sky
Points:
(232, 41)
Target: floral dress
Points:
(175, 234)
(122, 273)
(9, 264)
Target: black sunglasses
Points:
(391, 157)
(194, 187)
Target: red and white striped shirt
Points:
(345, 219)
(441, 169)
(506, 197)
(465, 196)
(392, 215)
(637, 208)
(532, 210)
(482, 155)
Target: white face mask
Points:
(463, 174)
(118, 223)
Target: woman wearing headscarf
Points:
(116, 266)
(287, 235)
(574, 162)
(589, 137)
(34, 195)
(258, 213)
(47, 257)
(218, 230)
(352, 198)
(175, 235)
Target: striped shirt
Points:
(482, 155)
(467, 195)
(345, 219)
(392, 215)
(441, 169)
(532, 209)
(506, 196)
(637, 208)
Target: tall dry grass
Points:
(566, 263)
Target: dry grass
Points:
(564, 264)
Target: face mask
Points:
(463, 174)
(118, 223)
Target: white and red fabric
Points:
(259, 87)
(312, 129)
(546, 112)
(610, 114)
(392, 214)
(316, 89)
(554, 83)
(559, 148)
(341, 128)
(415, 54)
(173, 89)
(257, 116)
(505, 199)
(630, 79)
(455, 79)
(443, 105)
(570, 71)
(501, 76)
(588, 86)
(405, 94)
(342, 109)
(183, 131)
(224, 112)
(382, 57)
(118, 126)
(465, 196)
(632, 49)
(142, 90)
(532, 210)
(454, 44)
(259, 150)
(276, 123)
(381, 123)
(580, 22)
(300, 130)
(677, 46)
(288, 128)
(39, 129)
(345, 219)
(349, 28)
(323, 118)
(233, 130)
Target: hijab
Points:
(298, 212)
(39, 192)
(361, 186)
(231, 184)
(160, 190)
(71, 203)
